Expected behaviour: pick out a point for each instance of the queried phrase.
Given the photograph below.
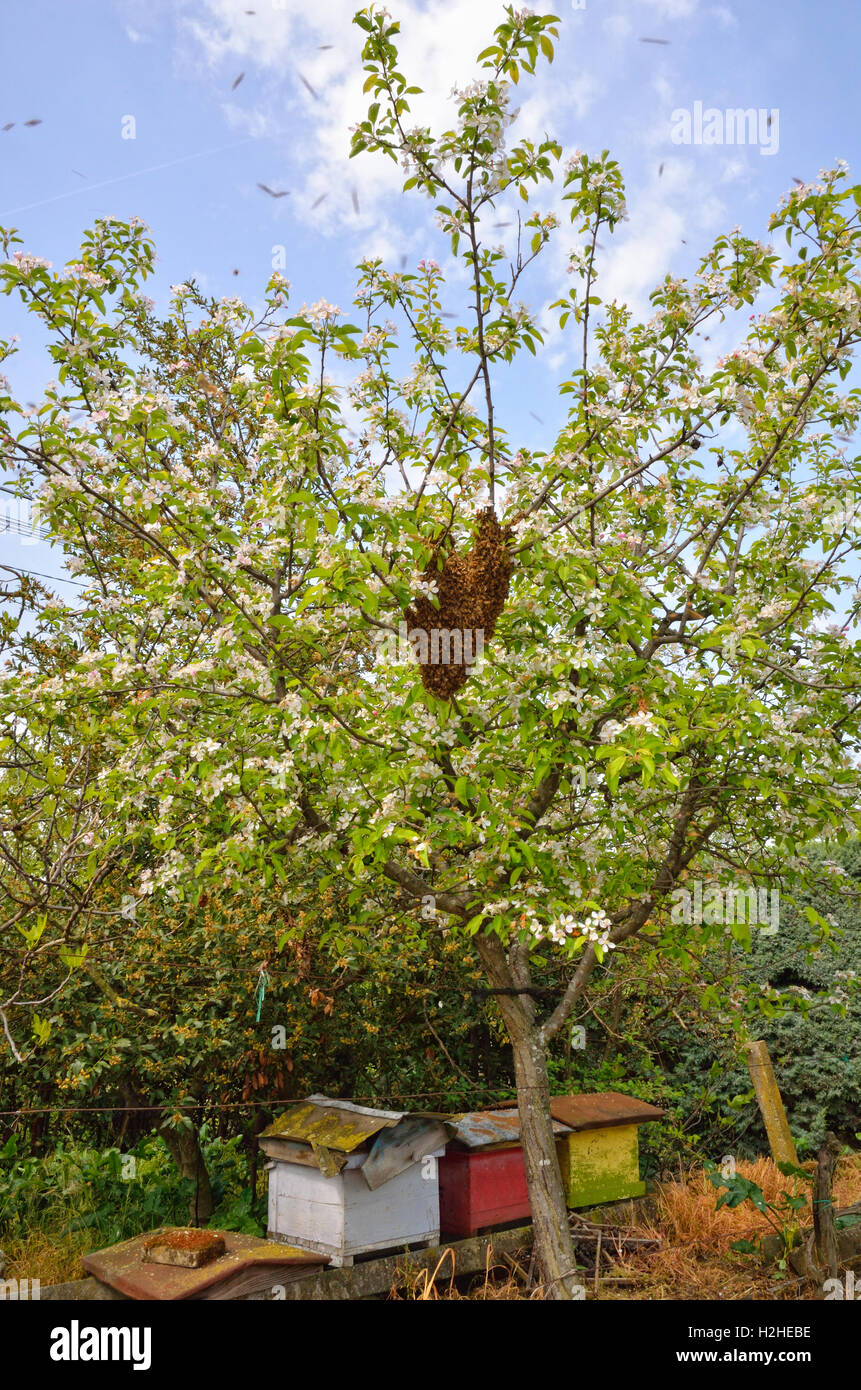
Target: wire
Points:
(37, 574)
(135, 173)
(253, 1104)
(13, 524)
(322, 982)
(100, 959)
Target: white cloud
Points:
(633, 268)
(437, 44)
(617, 26)
(732, 169)
(278, 47)
(672, 9)
(724, 16)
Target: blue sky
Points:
(200, 147)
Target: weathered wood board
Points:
(370, 1279)
(248, 1260)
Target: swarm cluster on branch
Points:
(471, 590)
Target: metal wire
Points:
(255, 1104)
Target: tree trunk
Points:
(184, 1148)
(552, 1245)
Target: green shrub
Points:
(78, 1188)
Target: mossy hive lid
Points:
(331, 1124)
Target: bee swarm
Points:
(472, 590)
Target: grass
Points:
(693, 1259)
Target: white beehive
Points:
(341, 1216)
(321, 1197)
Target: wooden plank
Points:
(375, 1277)
(263, 1280)
(366, 1280)
(604, 1110)
(122, 1268)
(597, 1110)
(289, 1151)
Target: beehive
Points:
(345, 1180)
(482, 1178)
(482, 1189)
(599, 1156)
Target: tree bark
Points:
(184, 1147)
(554, 1251)
(552, 1245)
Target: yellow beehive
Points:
(599, 1158)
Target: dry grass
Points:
(52, 1259)
(693, 1260)
(508, 1280)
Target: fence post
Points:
(768, 1097)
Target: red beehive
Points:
(480, 1189)
(482, 1176)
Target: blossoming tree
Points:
(659, 686)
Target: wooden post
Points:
(768, 1097)
(824, 1234)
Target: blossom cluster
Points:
(595, 928)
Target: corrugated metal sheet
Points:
(358, 1109)
(328, 1124)
(481, 1128)
(395, 1150)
